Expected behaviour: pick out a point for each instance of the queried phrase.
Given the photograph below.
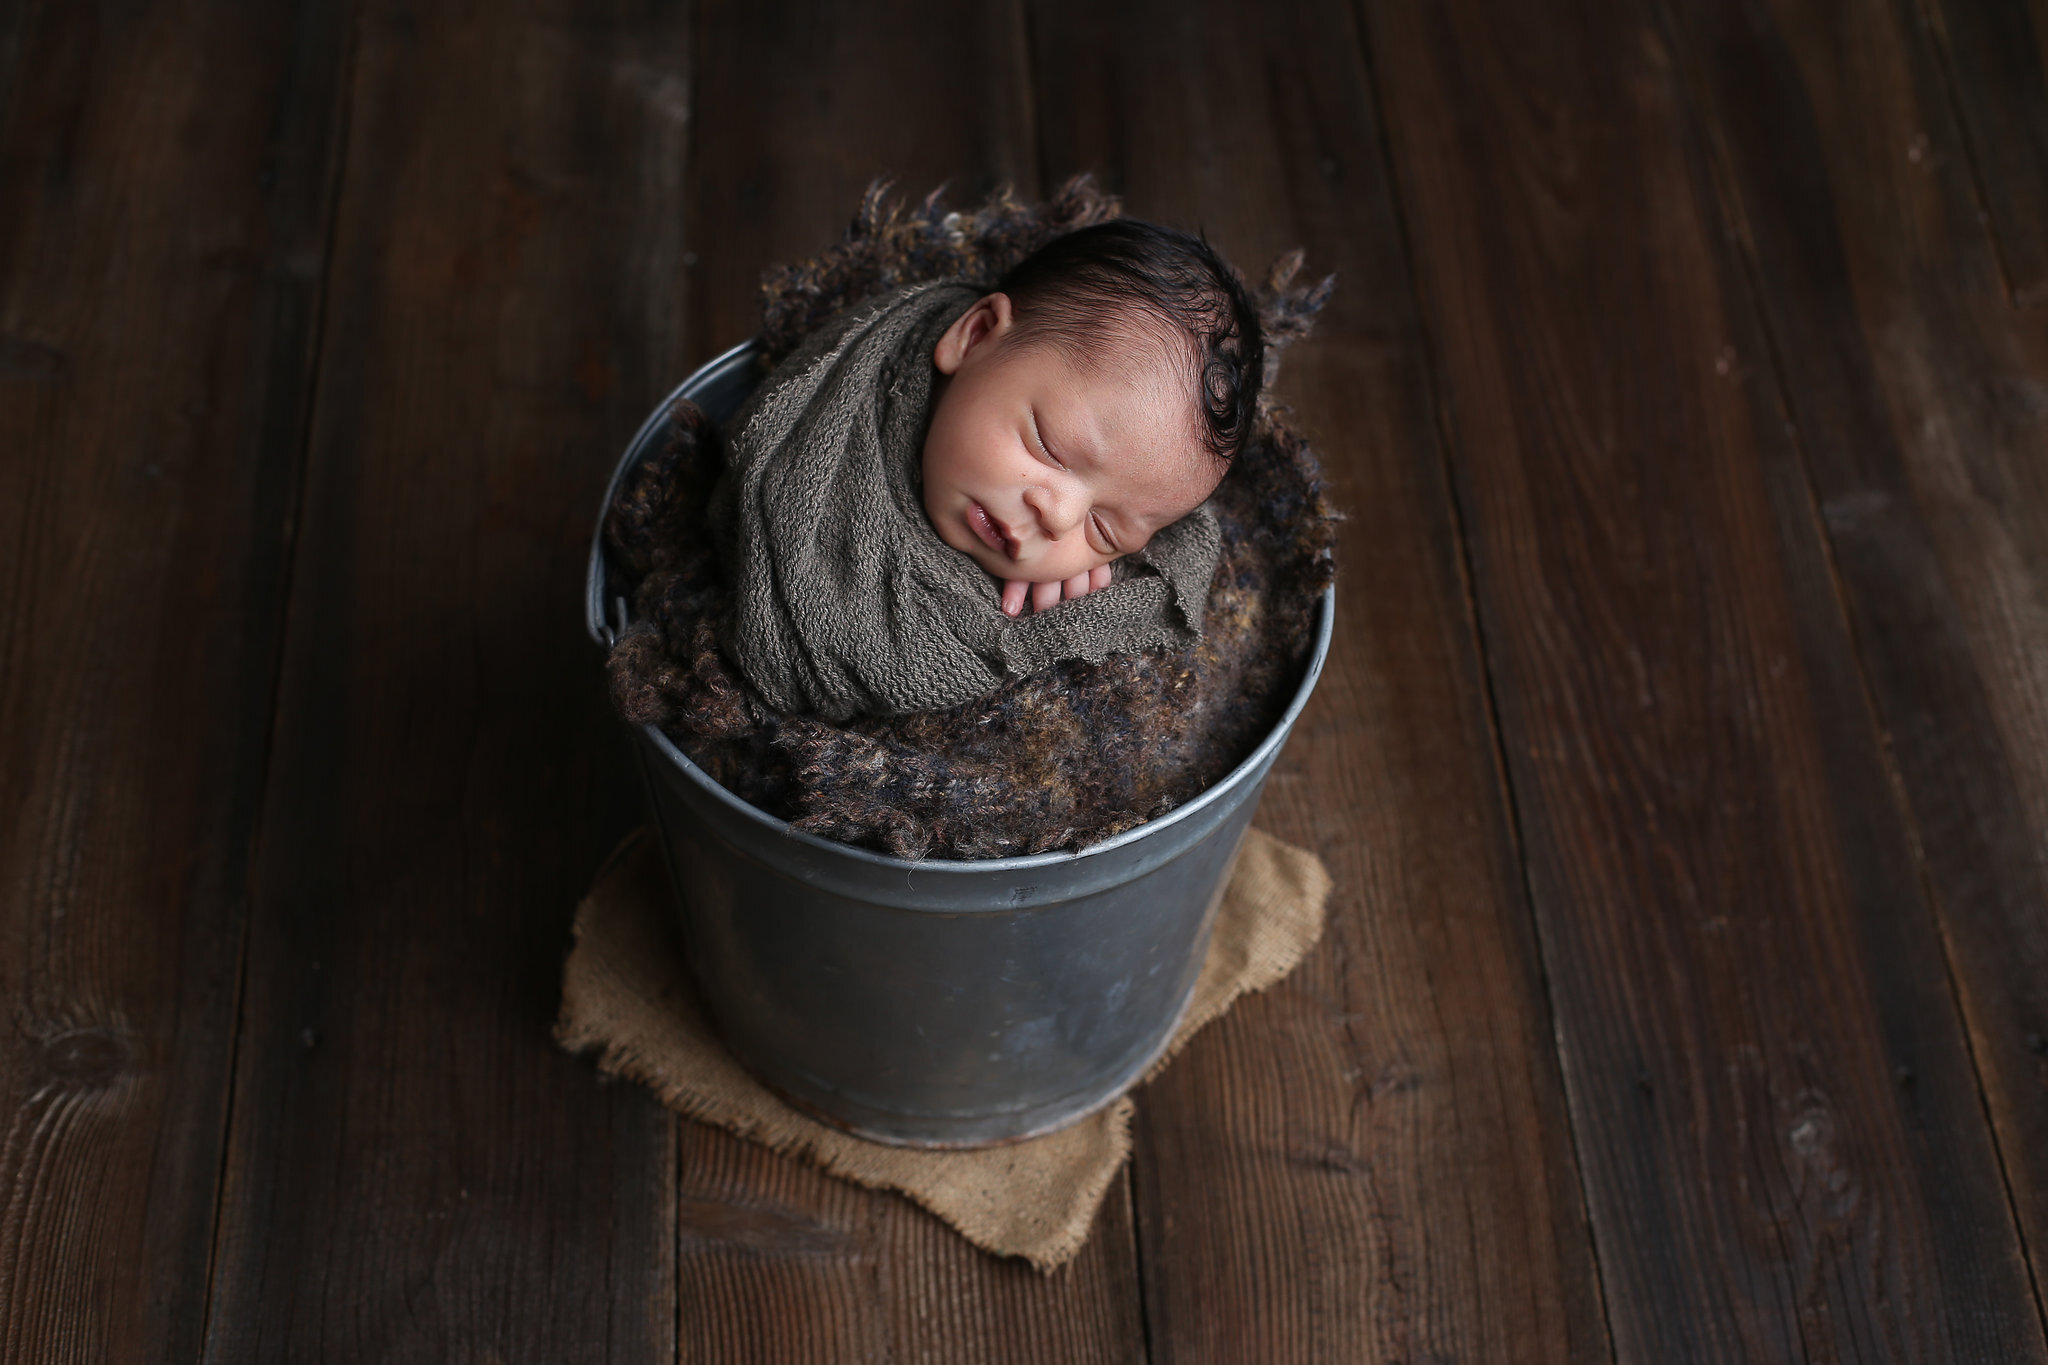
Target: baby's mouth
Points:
(990, 530)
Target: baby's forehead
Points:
(1152, 365)
(1124, 333)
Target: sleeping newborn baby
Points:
(932, 461)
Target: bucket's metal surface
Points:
(934, 1003)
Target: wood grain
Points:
(781, 1262)
(1371, 1162)
(1784, 1149)
(414, 1171)
(1997, 78)
(1921, 400)
(801, 106)
(166, 171)
(805, 102)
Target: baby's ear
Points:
(989, 319)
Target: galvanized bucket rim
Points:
(601, 631)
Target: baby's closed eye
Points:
(1106, 540)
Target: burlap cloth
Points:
(625, 990)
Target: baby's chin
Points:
(993, 564)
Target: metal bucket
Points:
(934, 1003)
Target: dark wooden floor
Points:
(1682, 760)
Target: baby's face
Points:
(1041, 468)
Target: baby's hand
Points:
(1045, 595)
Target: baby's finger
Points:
(1044, 595)
(1098, 578)
(1013, 595)
(1077, 586)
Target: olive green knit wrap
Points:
(845, 601)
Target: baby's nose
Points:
(1059, 510)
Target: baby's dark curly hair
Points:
(1085, 288)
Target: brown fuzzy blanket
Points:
(1058, 760)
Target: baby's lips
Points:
(991, 532)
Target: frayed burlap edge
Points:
(626, 994)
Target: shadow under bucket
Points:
(933, 1003)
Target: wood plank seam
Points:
(1475, 626)
(22, 20)
(1994, 67)
(337, 178)
(1027, 94)
(685, 284)
(1729, 196)
(1127, 1187)
(1935, 31)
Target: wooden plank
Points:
(779, 1264)
(810, 101)
(166, 171)
(1919, 397)
(1372, 1161)
(414, 1170)
(1997, 76)
(1783, 1146)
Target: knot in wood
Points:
(87, 1056)
(1811, 1132)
